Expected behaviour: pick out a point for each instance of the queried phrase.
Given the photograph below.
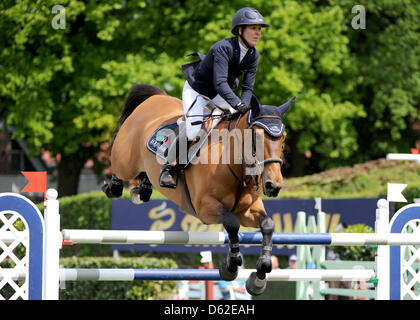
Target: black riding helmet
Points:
(246, 16)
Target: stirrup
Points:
(165, 172)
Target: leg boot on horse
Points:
(114, 188)
(257, 281)
(142, 191)
(229, 268)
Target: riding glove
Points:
(242, 108)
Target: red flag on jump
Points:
(37, 182)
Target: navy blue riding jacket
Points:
(217, 72)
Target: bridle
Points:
(256, 164)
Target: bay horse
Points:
(218, 192)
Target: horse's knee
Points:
(267, 225)
(230, 222)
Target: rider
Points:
(216, 74)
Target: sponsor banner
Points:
(164, 215)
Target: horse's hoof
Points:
(254, 285)
(145, 192)
(105, 188)
(135, 195)
(225, 274)
(113, 189)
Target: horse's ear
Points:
(284, 107)
(255, 104)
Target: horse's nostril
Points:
(269, 186)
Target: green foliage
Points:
(356, 253)
(117, 290)
(386, 57)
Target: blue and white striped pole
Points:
(214, 238)
(206, 274)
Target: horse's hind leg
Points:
(141, 192)
(113, 188)
(257, 281)
(229, 268)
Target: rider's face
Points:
(251, 34)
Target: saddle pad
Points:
(159, 140)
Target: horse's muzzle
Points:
(270, 189)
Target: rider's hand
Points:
(242, 108)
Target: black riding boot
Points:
(165, 177)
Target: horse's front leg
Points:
(229, 268)
(257, 281)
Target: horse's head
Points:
(268, 135)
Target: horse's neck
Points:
(240, 123)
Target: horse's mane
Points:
(138, 94)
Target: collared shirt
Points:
(244, 50)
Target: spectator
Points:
(293, 264)
(274, 262)
(233, 290)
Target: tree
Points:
(53, 80)
(388, 75)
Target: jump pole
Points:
(203, 274)
(75, 236)
(80, 236)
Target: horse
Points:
(218, 192)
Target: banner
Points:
(164, 215)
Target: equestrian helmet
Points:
(246, 16)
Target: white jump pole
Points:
(53, 241)
(199, 274)
(382, 228)
(403, 156)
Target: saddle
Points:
(161, 142)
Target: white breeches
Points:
(198, 110)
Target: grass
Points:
(366, 180)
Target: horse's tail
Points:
(138, 94)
